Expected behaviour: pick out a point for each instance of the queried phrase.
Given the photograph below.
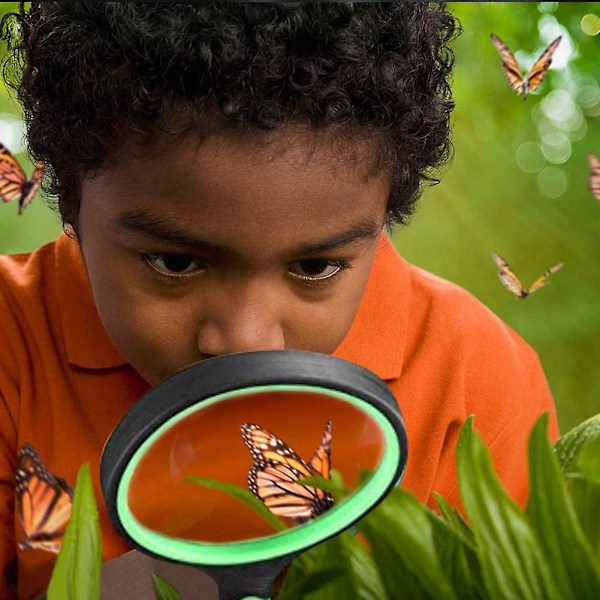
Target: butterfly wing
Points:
(509, 65)
(276, 484)
(509, 280)
(44, 502)
(594, 177)
(321, 459)
(275, 473)
(542, 64)
(12, 176)
(30, 188)
(543, 278)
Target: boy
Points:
(225, 173)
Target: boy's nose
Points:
(245, 323)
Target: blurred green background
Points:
(517, 185)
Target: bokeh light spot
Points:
(556, 148)
(529, 157)
(12, 131)
(547, 7)
(550, 29)
(558, 105)
(590, 24)
(552, 182)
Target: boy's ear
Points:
(70, 231)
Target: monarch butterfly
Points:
(274, 476)
(44, 502)
(511, 282)
(594, 178)
(14, 184)
(536, 75)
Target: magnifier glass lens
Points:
(206, 440)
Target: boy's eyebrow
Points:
(160, 228)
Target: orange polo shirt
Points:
(64, 385)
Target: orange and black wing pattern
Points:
(509, 64)
(511, 282)
(524, 84)
(594, 176)
(44, 503)
(13, 183)
(542, 64)
(277, 468)
(320, 461)
(543, 278)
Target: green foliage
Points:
(408, 551)
(164, 590)
(512, 562)
(579, 454)
(568, 448)
(344, 569)
(77, 570)
(502, 552)
(554, 519)
(248, 498)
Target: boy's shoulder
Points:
(27, 282)
(47, 302)
(21, 271)
(411, 316)
(463, 325)
(442, 312)
(442, 295)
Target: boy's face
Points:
(222, 248)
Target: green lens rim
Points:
(279, 544)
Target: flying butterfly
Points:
(529, 83)
(13, 182)
(277, 468)
(44, 502)
(594, 177)
(511, 282)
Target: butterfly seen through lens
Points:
(511, 282)
(44, 503)
(13, 182)
(530, 82)
(277, 468)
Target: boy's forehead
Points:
(207, 194)
(307, 148)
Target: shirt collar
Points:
(375, 340)
(86, 341)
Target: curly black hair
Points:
(91, 75)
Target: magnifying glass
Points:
(261, 421)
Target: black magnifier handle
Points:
(248, 582)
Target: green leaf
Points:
(585, 492)
(400, 534)
(78, 567)
(569, 445)
(346, 570)
(455, 546)
(334, 486)
(163, 589)
(302, 567)
(299, 582)
(313, 583)
(553, 517)
(240, 493)
(512, 561)
(455, 520)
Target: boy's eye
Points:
(174, 265)
(316, 269)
